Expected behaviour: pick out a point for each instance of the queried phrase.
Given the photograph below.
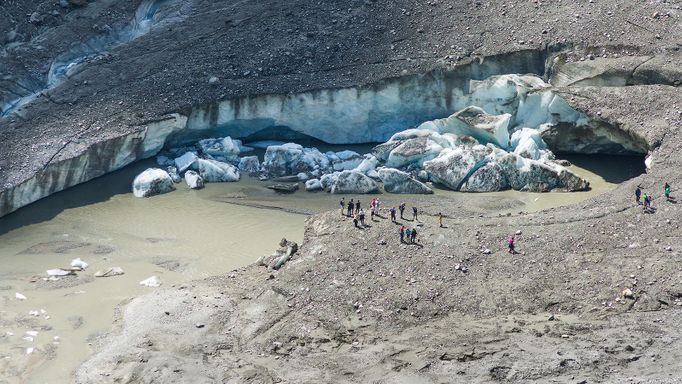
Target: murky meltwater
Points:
(179, 237)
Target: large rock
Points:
(396, 181)
(153, 181)
(353, 182)
(194, 180)
(215, 171)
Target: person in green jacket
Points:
(667, 191)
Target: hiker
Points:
(408, 233)
(646, 199)
(342, 204)
(638, 194)
(362, 217)
(414, 213)
(371, 214)
(351, 207)
(355, 220)
(511, 242)
(440, 219)
(392, 211)
(667, 191)
(402, 234)
(357, 207)
(413, 236)
(402, 209)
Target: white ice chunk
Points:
(152, 281)
(185, 161)
(193, 180)
(313, 185)
(226, 148)
(215, 171)
(19, 296)
(153, 181)
(78, 263)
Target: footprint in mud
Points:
(54, 247)
(68, 281)
(155, 240)
(170, 265)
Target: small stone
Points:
(199, 325)
(213, 80)
(627, 293)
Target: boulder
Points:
(249, 165)
(153, 181)
(396, 181)
(313, 185)
(353, 182)
(194, 180)
(215, 171)
(185, 161)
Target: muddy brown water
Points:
(179, 237)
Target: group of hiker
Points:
(354, 209)
(645, 199)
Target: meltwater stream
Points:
(179, 237)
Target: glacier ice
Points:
(215, 171)
(353, 182)
(194, 180)
(396, 181)
(153, 181)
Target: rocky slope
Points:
(185, 57)
(354, 305)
